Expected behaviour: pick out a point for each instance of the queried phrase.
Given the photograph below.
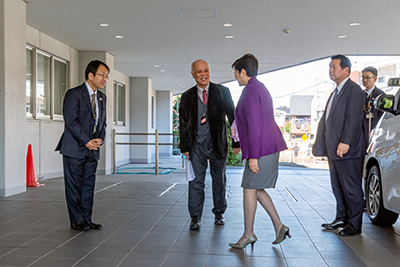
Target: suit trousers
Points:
(79, 179)
(346, 184)
(201, 153)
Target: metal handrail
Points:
(157, 144)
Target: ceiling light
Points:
(342, 36)
(119, 36)
(228, 36)
(103, 24)
(162, 70)
(355, 24)
(227, 25)
(156, 66)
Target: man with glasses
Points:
(203, 136)
(371, 115)
(84, 112)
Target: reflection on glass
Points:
(43, 85)
(60, 85)
(29, 99)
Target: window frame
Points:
(116, 104)
(34, 79)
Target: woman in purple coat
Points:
(261, 141)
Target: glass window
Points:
(60, 85)
(29, 99)
(119, 104)
(152, 112)
(43, 85)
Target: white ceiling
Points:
(159, 32)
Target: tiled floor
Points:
(145, 224)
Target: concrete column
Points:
(140, 104)
(12, 97)
(164, 121)
(106, 150)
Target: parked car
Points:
(382, 163)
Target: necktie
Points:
(94, 111)
(204, 96)
(334, 96)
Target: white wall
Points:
(164, 121)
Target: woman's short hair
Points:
(247, 62)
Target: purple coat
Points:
(254, 115)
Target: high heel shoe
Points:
(251, 240)
(282, 234)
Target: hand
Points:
(253, 165)
(98, 141)
(236, 150)
(91, 145)
(342, 149)
(187, 155)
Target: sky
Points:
(305, 79)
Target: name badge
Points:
(203, 120)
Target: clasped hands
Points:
(94, 144)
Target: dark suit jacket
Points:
(79, 122)
(377, 114)
(219, 106)
(344, 124)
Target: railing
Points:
(157, 144)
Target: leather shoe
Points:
(80, 226)
(349, 230)
(93, 225)
(334, 225)
(219, 219)
(195, 224)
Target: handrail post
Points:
(115, 151)
(156, 167)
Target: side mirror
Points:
(386, 103)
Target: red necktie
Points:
(204, 96)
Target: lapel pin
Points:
(101, 99)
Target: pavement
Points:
(146, 223)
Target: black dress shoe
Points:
(334, 225)
(195, 224)
(219, 219)
(349, 230)
(81, 226)
(93, 225)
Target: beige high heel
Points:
(251, 240)
(282, 234)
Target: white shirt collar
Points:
(340, 86)
(369, 92)
(90, 90)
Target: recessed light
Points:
(103, 24)
(180, 84)
(342, 36)
(119, 36)
(156, 66)
(355, 24)
(227, 24)
(162, 70)
(228, 36)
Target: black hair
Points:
(248, 62)
(344, 61)
(373, 70)
(93, 66)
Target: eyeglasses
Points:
(367, 78)
(105, 76)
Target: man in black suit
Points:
(84, 111)
(340, 137)
(203, 136)
(371, 114)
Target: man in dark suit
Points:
(84, 111)
(203, 136)
(371, 114)
(340, 137)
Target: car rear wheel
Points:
(376, 211)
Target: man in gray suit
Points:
(340, 137)
(203, 136)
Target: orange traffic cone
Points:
(31, 180)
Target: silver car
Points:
(382, 162)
